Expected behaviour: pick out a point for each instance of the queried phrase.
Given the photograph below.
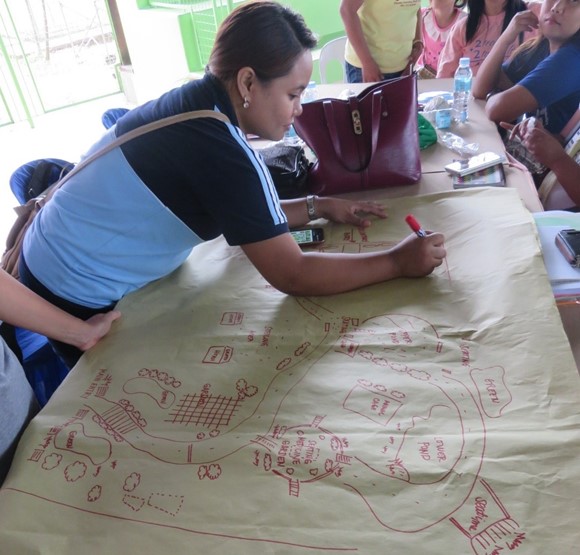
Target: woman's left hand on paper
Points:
(345, 211)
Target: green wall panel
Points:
(321, 16)
(198, 22)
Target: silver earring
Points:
(246, 104)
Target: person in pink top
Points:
(437, 21)
(474, 36)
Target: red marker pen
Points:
(415, 225)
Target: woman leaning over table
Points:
(21, 307)
(134, 215)
(474, 36)
(543, 76)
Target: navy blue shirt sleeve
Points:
(203, 170)
(553, 80)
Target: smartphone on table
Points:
(308, 236)
(474, 164)
(568, 243)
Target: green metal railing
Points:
(200, 19)
(206, 16)
(182, 3)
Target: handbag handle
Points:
(133, 134)
(332, 131)
(376, 121)
(357, 127)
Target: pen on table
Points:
(415, 225)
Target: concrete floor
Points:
(65, 134)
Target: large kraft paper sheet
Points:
(437, 415)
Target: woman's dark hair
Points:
(530, 45)
(539, 40)
(574, 39)
(265, 36)
(476, 9)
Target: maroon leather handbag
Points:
(369, 141)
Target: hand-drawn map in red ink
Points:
(253, 422)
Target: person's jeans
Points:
(354, 74)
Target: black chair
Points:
(43, 367)
(110, 116)
(31, 179)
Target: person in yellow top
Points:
(384, 38)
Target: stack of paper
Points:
(564, 278)
(489, 177)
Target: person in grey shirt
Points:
(21, 307)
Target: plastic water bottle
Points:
(310, 92)
(462, 90)
(291, 137)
